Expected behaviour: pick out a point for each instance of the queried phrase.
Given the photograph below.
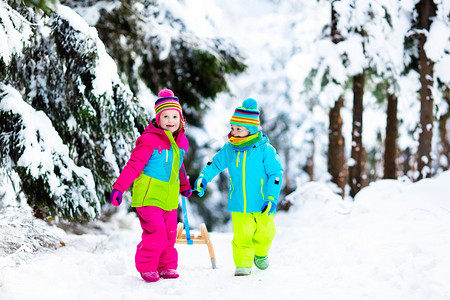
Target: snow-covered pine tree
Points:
(67, 122)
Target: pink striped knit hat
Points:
(166, 101)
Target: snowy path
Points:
(392, 243)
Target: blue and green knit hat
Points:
(247, 115)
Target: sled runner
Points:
(186, 238)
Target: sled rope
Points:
(204, 237)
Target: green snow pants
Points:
(253, 235)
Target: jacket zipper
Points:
(262, 184)
(243, 181)
(232, 187)
(146, 191)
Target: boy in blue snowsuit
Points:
(255, 182)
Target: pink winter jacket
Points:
(153, 142)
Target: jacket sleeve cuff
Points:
(185, 187)
(118, 187)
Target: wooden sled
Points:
(203, 238)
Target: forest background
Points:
(78, 80)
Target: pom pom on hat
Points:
(250, 103)
(167, 101)
(166, 93)
(247, 115)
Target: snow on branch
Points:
(44, 157)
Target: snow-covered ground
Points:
(393, 242)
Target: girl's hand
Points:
(187, 193)
(116, 197)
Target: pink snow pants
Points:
(156, 251)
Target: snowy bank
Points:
(391, 243)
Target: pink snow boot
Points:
(151, 276)
(169, 273)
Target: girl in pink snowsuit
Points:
(157, 170)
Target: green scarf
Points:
(244, 143)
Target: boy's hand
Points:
(200, 185)
(270, 206)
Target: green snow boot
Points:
(242, 271)
(261, 263)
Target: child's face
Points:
(169, 120)
(239, 131)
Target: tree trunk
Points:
(356, 167)
(336, 36)
(427, 9)
(336, 157)
(390, 146)
(288, 185)
(444, 150)
(310, 162)
(336, 154)
(407, 163)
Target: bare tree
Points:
(444, 148)
(356, 169)
(390, 144)
(426, 10)
(336, 155)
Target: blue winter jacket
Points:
(255, 175)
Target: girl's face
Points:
(169, 120)
(239, 131)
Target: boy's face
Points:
(239, 131)
(169, 120)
